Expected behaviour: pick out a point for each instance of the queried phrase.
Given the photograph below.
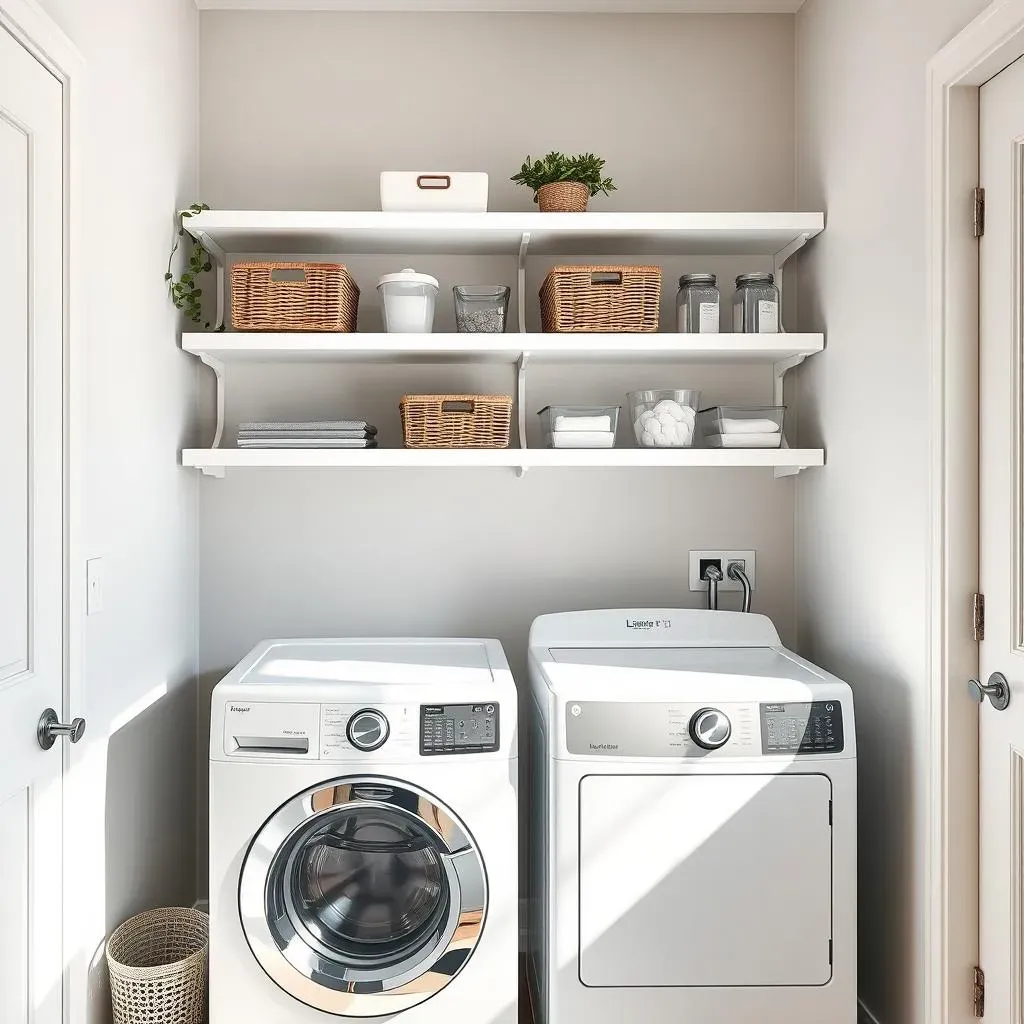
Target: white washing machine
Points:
(363, 834)
(693, 846)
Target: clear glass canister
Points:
(697, 304)
(481, 309)
(755, 307)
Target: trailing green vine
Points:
(185, 291)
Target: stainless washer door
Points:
(362, 897)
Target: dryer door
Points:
(362, 897)
(705, 880)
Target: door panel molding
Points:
(1017, 376)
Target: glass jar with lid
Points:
(698, 304)
(755, 307)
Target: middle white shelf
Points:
(503, 348)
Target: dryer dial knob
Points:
(710, 729)
(367, 729)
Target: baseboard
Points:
(864, 1015)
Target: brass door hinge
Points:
(979, 212)
(979, 993)
(978, 617)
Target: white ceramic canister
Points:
(407, 300)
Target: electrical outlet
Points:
(699, 560)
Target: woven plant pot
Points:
(563, 197)
(157, 964)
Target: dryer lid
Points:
(753, 662)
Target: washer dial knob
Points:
(710, 729)
(367, 729)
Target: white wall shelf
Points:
(786, 461)
(501, 234)
(501, 348)
(515, 6)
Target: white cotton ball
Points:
(674, 409)
(648, 440)
(665, 441)
(687, 414)
(655, 427)
(667, 420)
(647, 416)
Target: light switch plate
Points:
(93, 586)
(748, 558)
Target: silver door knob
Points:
(50, 727)
(997, 690)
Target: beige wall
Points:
(133, 783)
(862, 525)
(304, 111)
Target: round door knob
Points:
(710, 729)
(367, 729)
(996, 690)
(50, 727)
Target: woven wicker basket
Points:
(456, 421)
(293, 297)
(601, 299)
(563, 197)
(157, 964)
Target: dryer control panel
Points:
(711, 730)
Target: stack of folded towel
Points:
(582, 432)
(735, 433)
(316, 434)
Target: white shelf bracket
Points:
(219, 260)
(783, 256)
(524, 249)
(524, 362)
(780, 369)
(217, 365)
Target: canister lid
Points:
(759, 278)
(697, 279)
(409, 276)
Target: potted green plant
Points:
(564, 184)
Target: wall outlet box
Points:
(699, 560)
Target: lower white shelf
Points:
(786, 461)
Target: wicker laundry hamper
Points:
(157, 963)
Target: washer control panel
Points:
(458, 728)
(815, 728)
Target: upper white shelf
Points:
(516, 6)
(503, 234)
(503, 348)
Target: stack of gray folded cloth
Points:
(317, 434)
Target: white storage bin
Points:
(407, 302)
(436, 191)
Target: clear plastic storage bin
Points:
(728, 427)
(664, 419)
(481, 309)
(407, 301)
(579, 426)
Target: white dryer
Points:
(693, 817)
(363, 834)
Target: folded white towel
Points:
(592, 424)
(583, 439)
(733, 426)
(744, 440)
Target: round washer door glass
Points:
(363, 897)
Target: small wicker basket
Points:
(456, 421)
(601, 299)
(157, 964)
(293, 297)
(563, 197)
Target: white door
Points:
(31, 534)
(1002, 544)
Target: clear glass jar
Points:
(755, 307)
(481, 309)
(698, 304)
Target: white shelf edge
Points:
(507, 348)
(514, 6)
(216, 460)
